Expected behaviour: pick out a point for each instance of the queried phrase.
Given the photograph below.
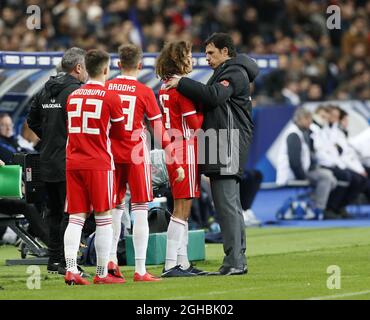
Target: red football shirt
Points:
(138, 101)
(91, 109)
(176, 108)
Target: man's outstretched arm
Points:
(209, 95)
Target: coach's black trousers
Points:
(57, 219)
(226, 198)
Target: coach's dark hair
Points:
(129, 56)
(173, 59)
(72, 57)
(222, 40)
(95, 61)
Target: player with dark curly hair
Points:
(181, 120)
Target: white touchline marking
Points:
(335, 296)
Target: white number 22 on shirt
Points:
(86, 115)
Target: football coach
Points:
(226, 103)
(48, 119)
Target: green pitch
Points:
(283, 264)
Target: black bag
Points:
(158, 219)
(89, 254)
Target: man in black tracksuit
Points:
(48, 119)
(227, 108)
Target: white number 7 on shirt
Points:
(85, 116)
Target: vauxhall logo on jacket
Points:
(51, 105)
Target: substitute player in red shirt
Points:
(92, 110)
(182, 120)
(132, 157)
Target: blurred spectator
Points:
(328, 150)
(355, 40)
(8, 143)
(296, 162)
(27, 139)
(291, 92)
(314, 92)
(360, 143)
(349, 156)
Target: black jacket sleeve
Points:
(212, 95)
(294, 156)
(34, 119)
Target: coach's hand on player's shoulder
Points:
(172, 83)
(180, 174)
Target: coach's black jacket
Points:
(226, 105)
(48, 119)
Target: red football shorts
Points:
(89, 190)
(139, 179)
(190, 186)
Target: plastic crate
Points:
(156, 253)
